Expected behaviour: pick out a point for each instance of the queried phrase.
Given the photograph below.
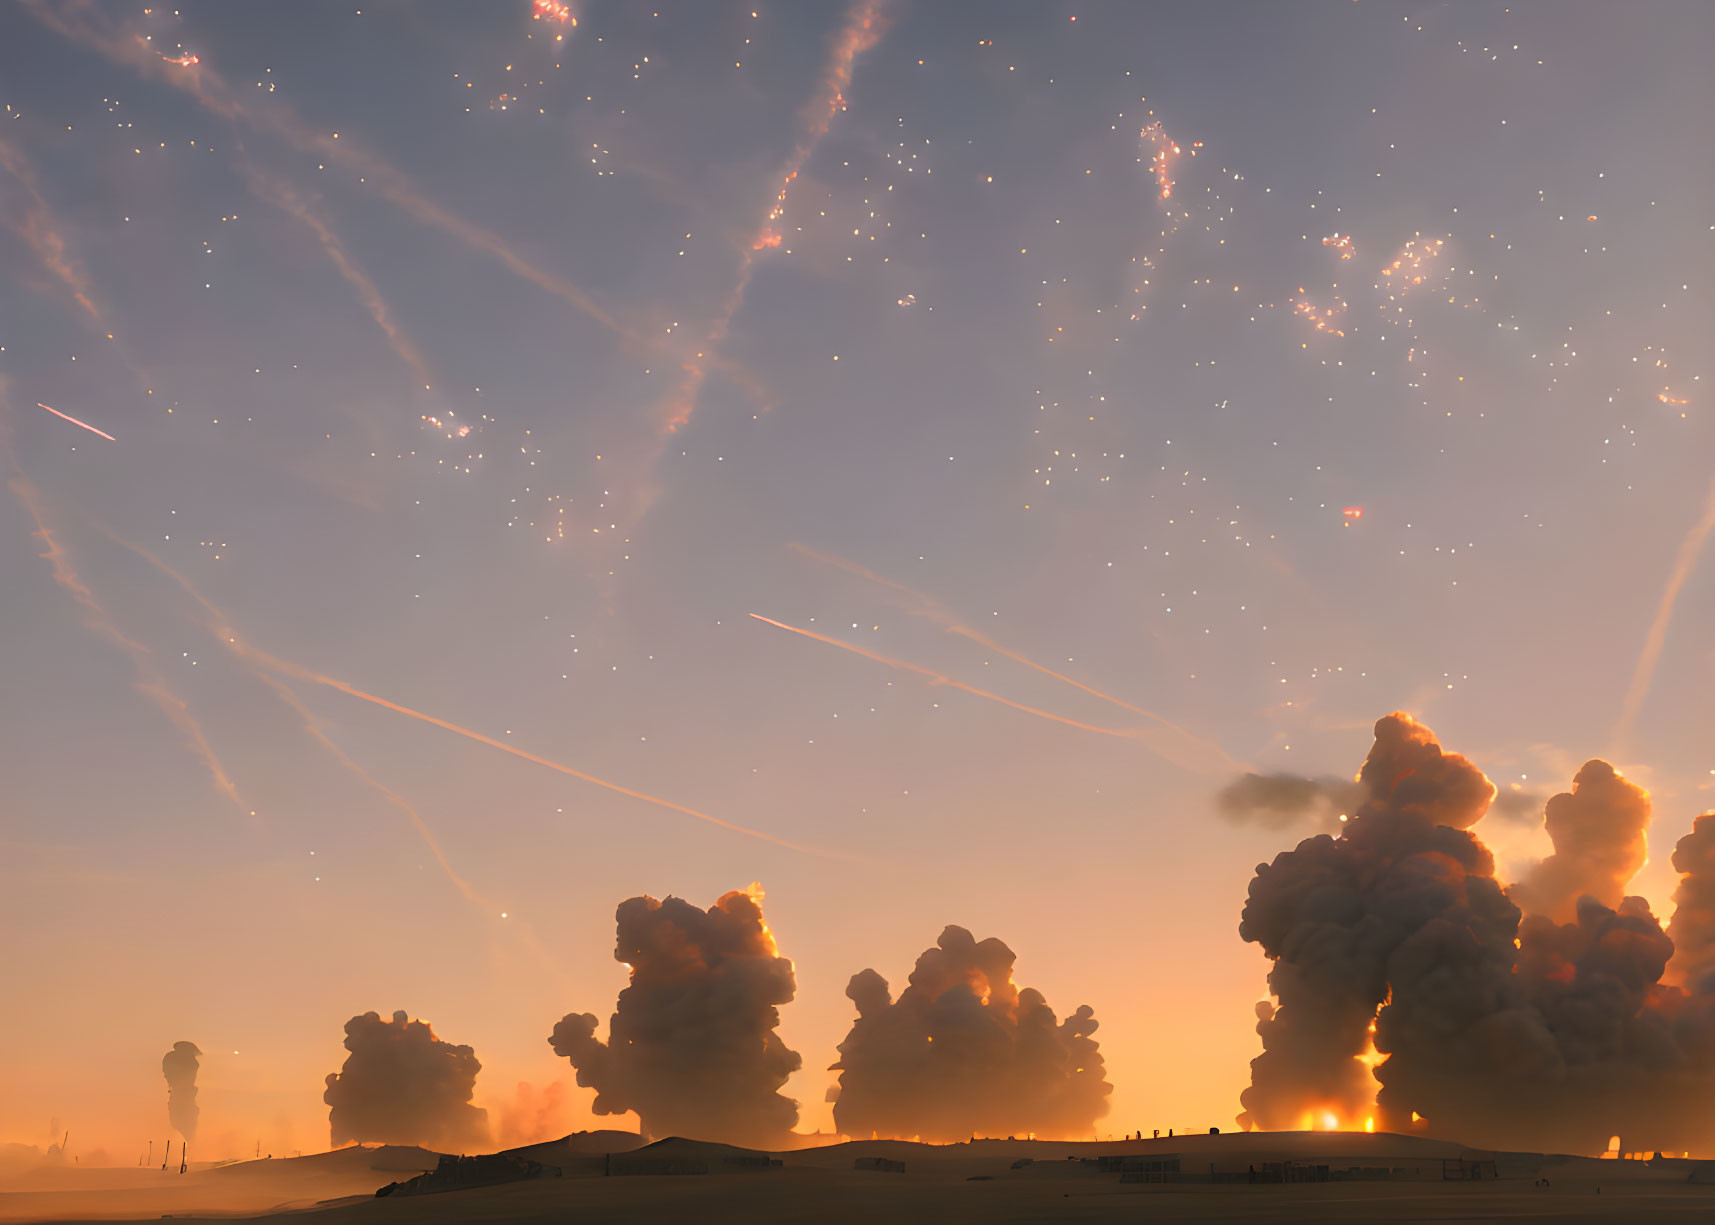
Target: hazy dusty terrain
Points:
(968, 1182)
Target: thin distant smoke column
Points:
(179, 1066)
(1207, 755)
(211, 92)
(148, 679)
(692, 1046)
(35, 225)
(403, 1085)
(1683, 564)
(963, 1052)
(278, 192)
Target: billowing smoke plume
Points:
(403, 1085)
(179, 1066)
(964, 1052)
(691, 1046)
(1693, 926)
(1517, 1034)
(1598, 834)
(1281, 801)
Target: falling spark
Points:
(1341, 243)
(1321, 320)
(183, 61)
(86, 425)
(1161, 160)
(1683, 564)
(1353, 512)
(1669, 398)
(552, 10)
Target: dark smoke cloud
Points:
(964, 1052)
(1281, 801)
(179, 1066)
(1497, 1029)
(1598, 834)
(1332, 911)
(1693, 926)
(691, 1045)
(403, 1085)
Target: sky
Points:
(1134, 395)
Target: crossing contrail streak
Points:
(273, 663)
(1208, 756)
(1154, 738)
(283, 195)
(148, 679)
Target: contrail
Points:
(211, 92)
(283, 195)
(221, 628)
(862, 30)
(35, 225)
(273, 663)
(928, 606)
(86, 425)
(1151, 737)
(149, 681)
(304, 674)
(1683, 564)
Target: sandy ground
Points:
(949, 1184)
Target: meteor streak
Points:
(86, 425)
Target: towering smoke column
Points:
(964, 1052)
(403, 1085)
(1693, 926)
(1332, 912)
(1529, 1034)
(1598, 834)
(691, 1046)
(179, 1066)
